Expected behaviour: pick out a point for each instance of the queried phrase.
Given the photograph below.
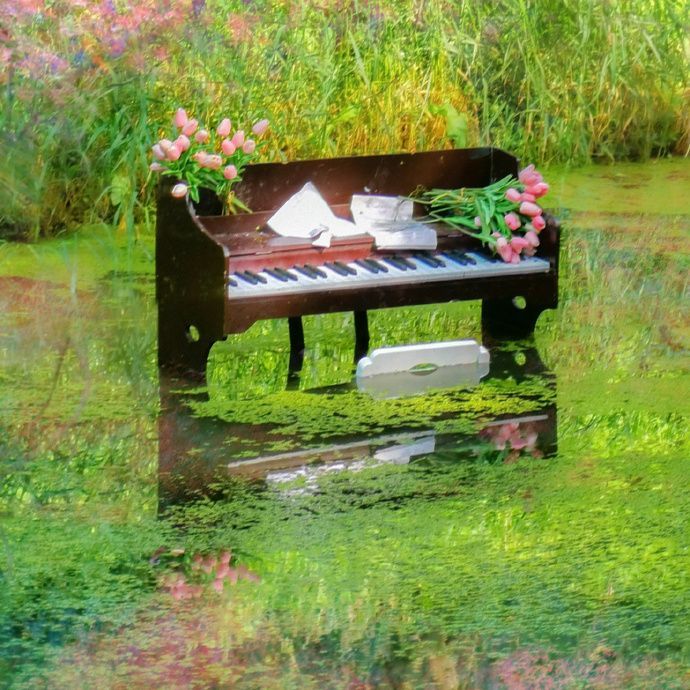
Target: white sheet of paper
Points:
(307, 215)
(371, 212)
(389, 220)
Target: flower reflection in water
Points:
(513, 439)
(191, 577)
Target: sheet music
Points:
(307, 215)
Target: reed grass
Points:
(550, 81)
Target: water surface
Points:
(266, 530)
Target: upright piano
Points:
(218, 274)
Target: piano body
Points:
(218, 274)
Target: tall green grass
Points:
(548, 80)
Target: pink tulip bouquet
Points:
(504, 216)
(198, 158)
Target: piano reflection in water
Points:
(207, 456)
(218, 274)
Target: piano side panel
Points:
(190, 285)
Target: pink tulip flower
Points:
(238, 138)
(478, 221)
(158, 152)
(224, 127)
(230, 172)
(506, 253)
(180, 119)
(525, 196)
(164, 145)
(173, 153)
(513, 195)
(532, 238)
(538, 190)
(190, 127)
(260, 127)
(227, 147)
(202, 136)
(527, 208)
(249, 146)
(179, 190)
(512, 221)
(156, 167)
(182, 142)
(218, 585)
(518, 244)
(529, 176)
(538, 223)
(214, 162)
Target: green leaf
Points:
(120, 188)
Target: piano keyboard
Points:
(378, 272)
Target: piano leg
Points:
(361, 334)
(502, 319)
(296, 343)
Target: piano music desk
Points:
(204, 293)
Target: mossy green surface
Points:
(468, 563)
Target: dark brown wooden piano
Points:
(218, 274)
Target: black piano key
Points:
(470, 260)
(429, 260)
(426, 260)
(345, 267)
(319, 272)
(232, 282)
(278, 276)
(257, 277)
(286, 273)
(305, 272)
(395, 263)
(363, 264)
(377, 264)
(340, 270)
(405, 261)
(456, 258)
(246, 277)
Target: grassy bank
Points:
(87, 85)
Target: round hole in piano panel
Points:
(519, 302)
(193, 334)
(520, 358)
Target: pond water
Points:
(272, 530)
